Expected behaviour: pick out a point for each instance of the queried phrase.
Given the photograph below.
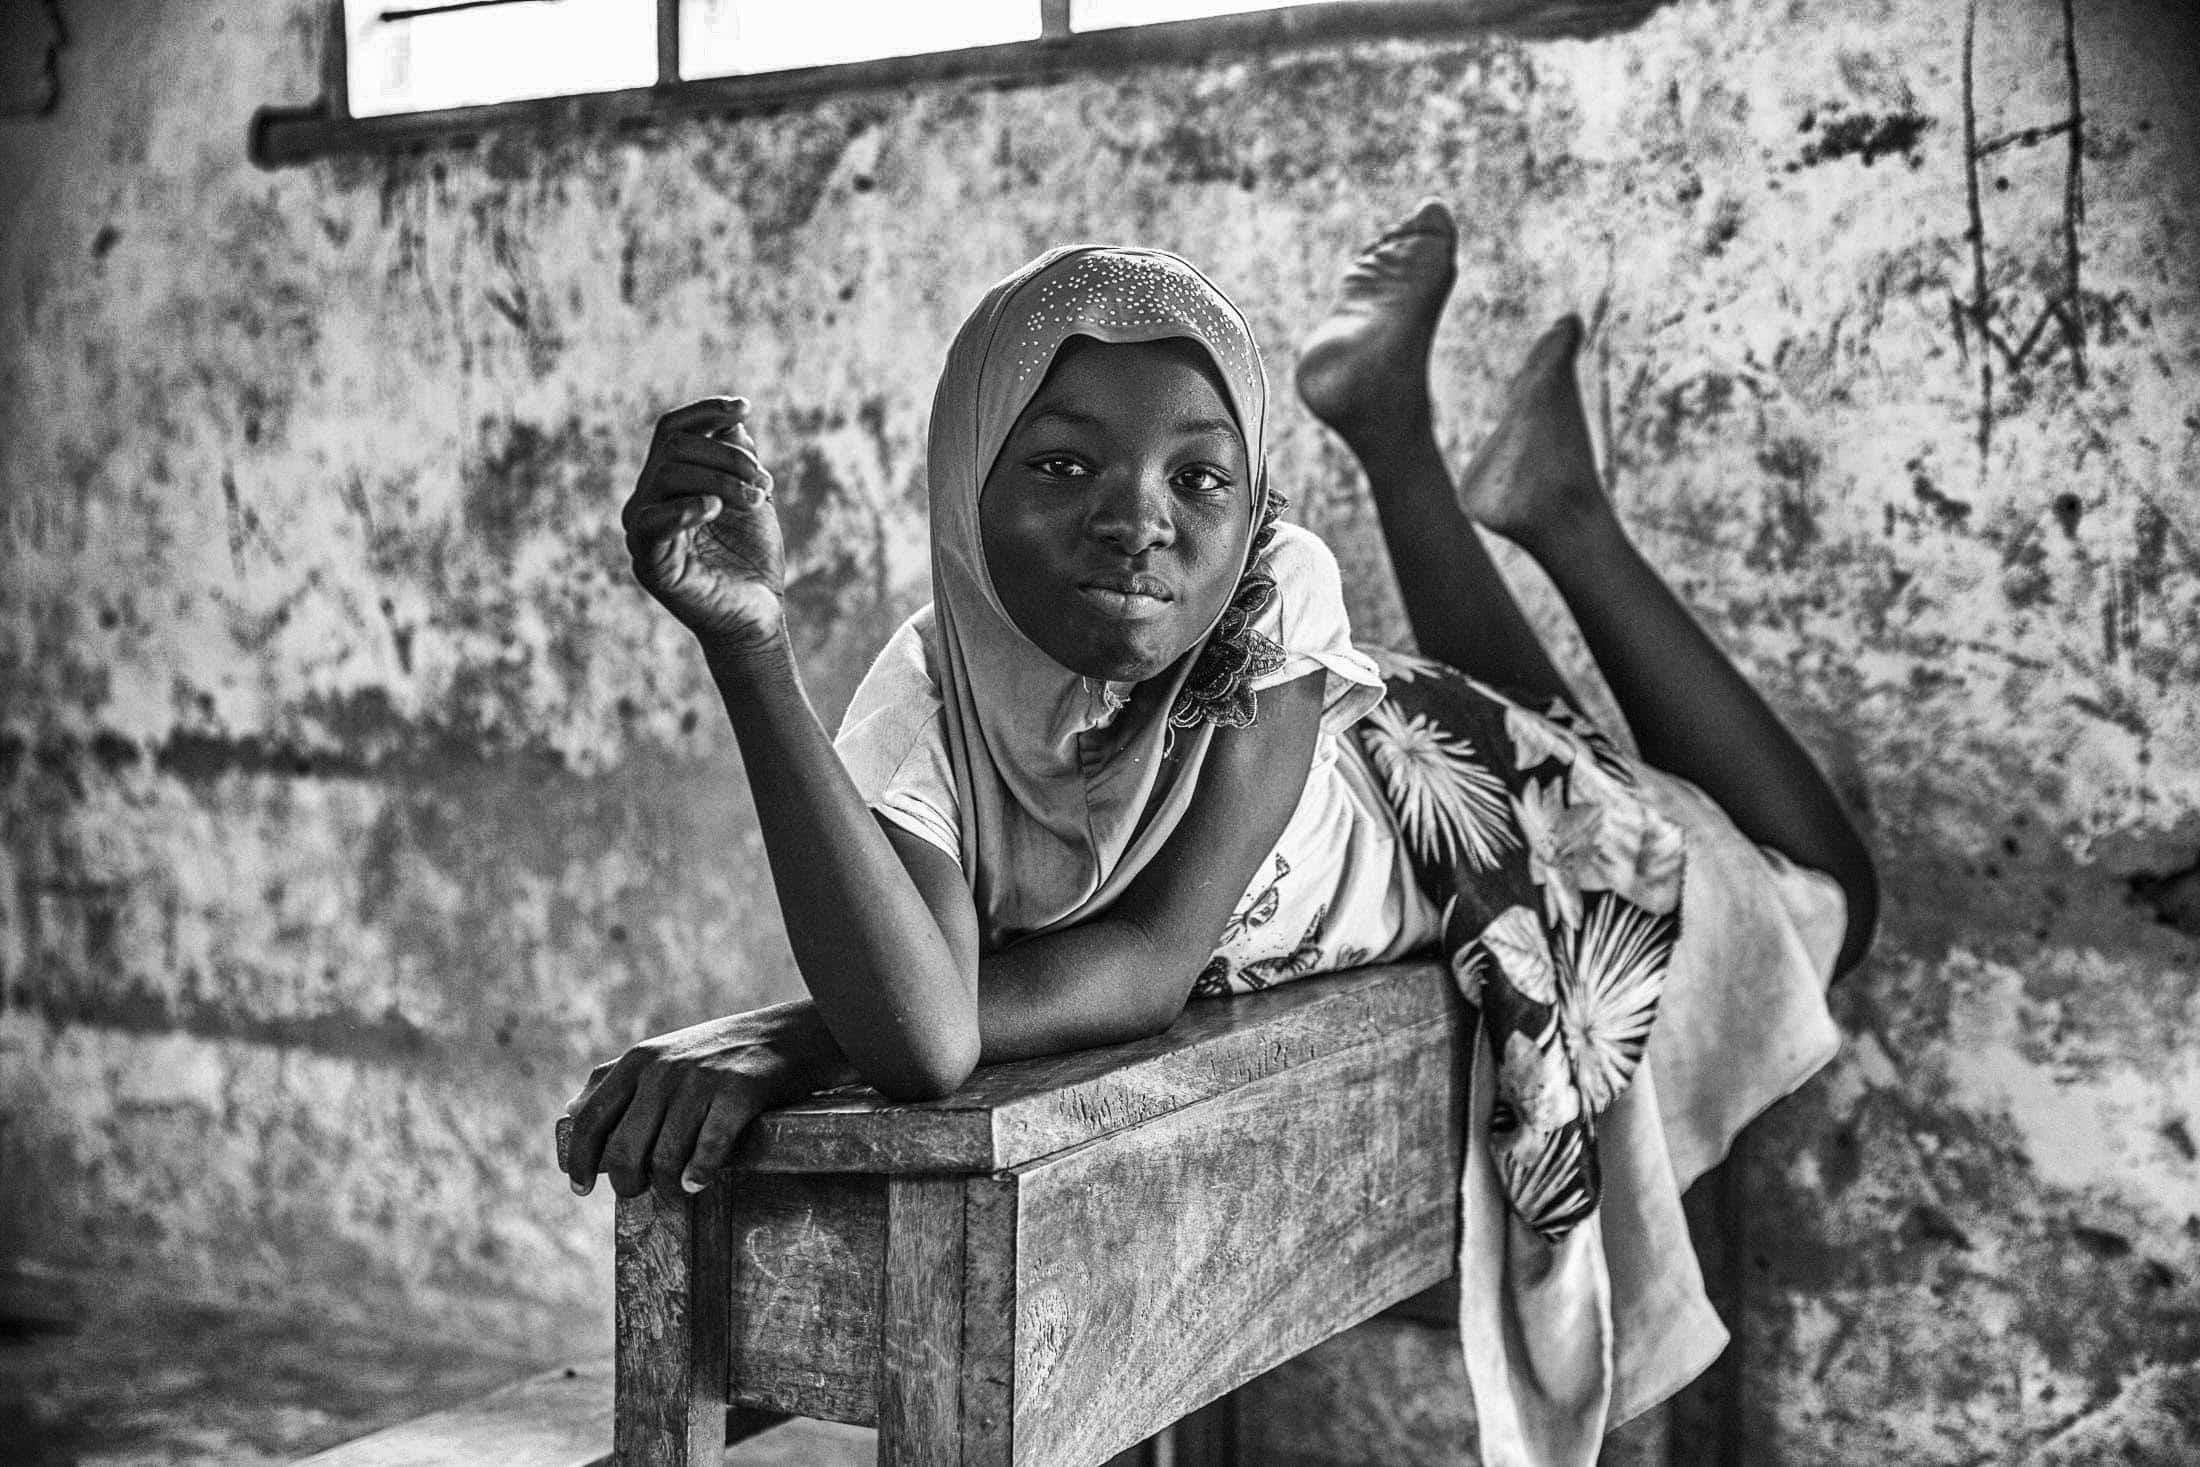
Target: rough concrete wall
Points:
(352, 803)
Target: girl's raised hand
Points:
(701, 530)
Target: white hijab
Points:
(1064, 789)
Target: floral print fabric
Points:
(1559, 891)
(1560, 888)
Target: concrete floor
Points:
(95, 1374)
(112, 1376)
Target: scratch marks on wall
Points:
(1992, 312)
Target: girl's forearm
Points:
(1101, 982)
(1127, 973)
(886, 982)
(875, 956)
(1059, 993)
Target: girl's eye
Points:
(1200, 479)
(1056, 466)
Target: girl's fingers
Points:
(595, 1078)
(658, 523)
(730, 1114)
(741, 440)
(678, 481)
(657, 539)
(596, 1111)
(704, 415)
(668, 1159)
(727, 457)
(701, 449)
(626, 1154)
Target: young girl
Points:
(1129, 753)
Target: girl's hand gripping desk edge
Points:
(670, 1111)
(701, 530)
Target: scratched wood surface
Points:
(920, 1397)
(991, 1217)
(809, 1259)
(672, 1267)
(1158, 1268)
(1011, 1114)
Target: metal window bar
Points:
(325, 128)
(443, 7)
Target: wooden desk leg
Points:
(674, 1278)
(948, 1337)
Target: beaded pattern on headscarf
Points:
(1128, 290)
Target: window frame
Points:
(282, 136)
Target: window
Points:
(424, 56)
(734, 37)
(402, 72)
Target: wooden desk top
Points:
(1011, 1114)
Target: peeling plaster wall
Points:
(353, 804)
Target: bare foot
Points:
(1364, 369)
(1535, 476)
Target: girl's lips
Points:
(1123, 604)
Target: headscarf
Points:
(1064, 789)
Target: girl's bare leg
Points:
(1535, 481)
(1364, 372)
(1692, 712)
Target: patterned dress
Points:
(1557, 889)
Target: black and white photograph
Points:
(1100, 733)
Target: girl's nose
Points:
(1132, 511)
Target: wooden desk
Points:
(1067, 1255)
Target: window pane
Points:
(726, 37)
(415, 55)
(1100, 15)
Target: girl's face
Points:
(1115, 520)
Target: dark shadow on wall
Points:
(31, 38)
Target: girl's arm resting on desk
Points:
(882, 926)
(705, 542)
(897, 994)
(1126, 973)
(672, 1108)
